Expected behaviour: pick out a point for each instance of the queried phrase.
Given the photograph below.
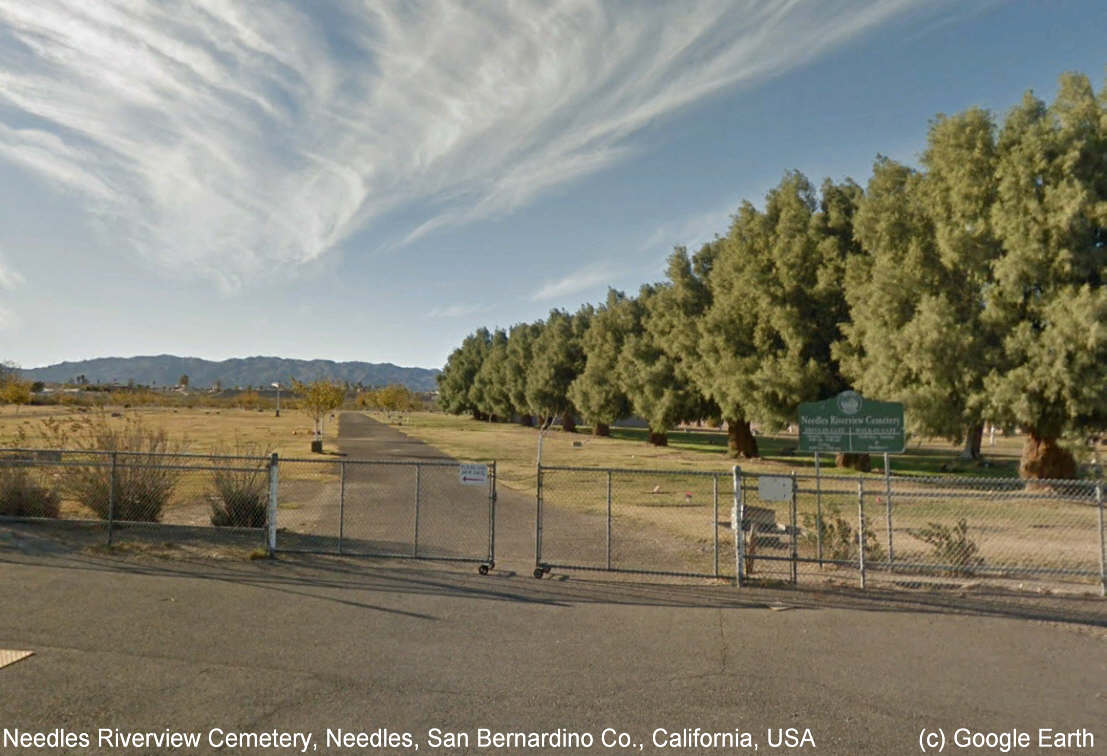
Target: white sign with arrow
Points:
(473, 474)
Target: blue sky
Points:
(374, 180)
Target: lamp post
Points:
(277, 386)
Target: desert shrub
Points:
(24, 494)
(142, 482)
(952, 546)
(241, 488)
(839, 540)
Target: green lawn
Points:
(928, 457)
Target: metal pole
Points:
(341, 502)
(111, 496)
(795, 529)
(418, 486)
(538, 515)
(1102, 541)
(888, 509)
(271, 514)
(737, 518)
(609, 519)
(818, 511)
(715, 521)
(861, 527)
(492, 518)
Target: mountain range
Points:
(167, 369)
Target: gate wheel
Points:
(539, 572)
(483, 569)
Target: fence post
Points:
(737, 518)
(795, 531)
(538, 521)
(715, 521)
(341, 502)
(609, 519)
(818, 511)
(492, 518)
(888, 509)
(861, 527)
(418, 487)
(1102, 540)
(271, 514)
(111, 496)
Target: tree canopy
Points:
(970, 288)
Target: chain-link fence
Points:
(426, 509)
(919, 531)
(137, 496)
(640, 521)
(796, 528)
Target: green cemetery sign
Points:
(851, 423)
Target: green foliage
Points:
(596, 394)
(649, 375)
(24, 494)
(839, 539)
(520, 344)
(557, 358)
(952, 546)
(456, 378)
(765, 340)
(490, 391)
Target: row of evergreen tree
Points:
(970, 289)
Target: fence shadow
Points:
(349, 580)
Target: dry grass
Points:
(515, 447)
(203, 430)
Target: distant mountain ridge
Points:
(166, 370)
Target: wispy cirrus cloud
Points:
(457, 310)
(9, 279)
(575, 282)
(226, 138)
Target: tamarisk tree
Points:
(597, 393)
(1047, 297)
(776, 304)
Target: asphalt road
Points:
(306, 644)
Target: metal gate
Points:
(652, 522)
(426, 509)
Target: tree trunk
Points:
(658, 439)
(973, 437)
(740, 440)
(568, 423)
(859, 462)
(601, 429)
(1043, 457)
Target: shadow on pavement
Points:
(341, 579)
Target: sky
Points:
(374, 180)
